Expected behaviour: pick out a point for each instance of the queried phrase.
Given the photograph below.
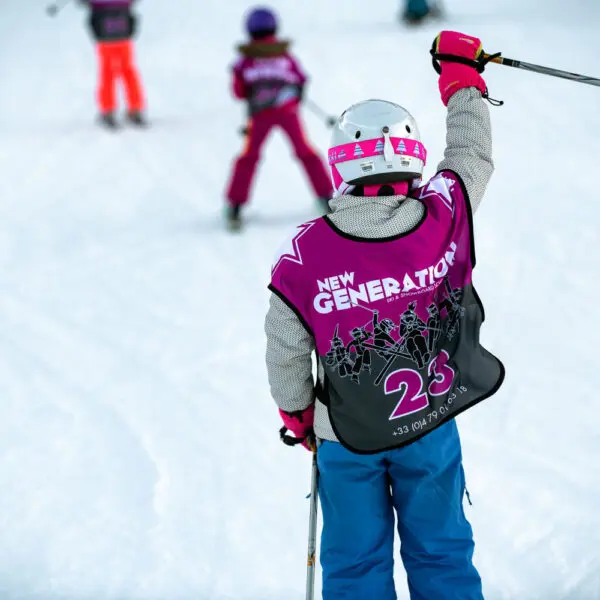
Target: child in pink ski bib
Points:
(271, 81)
(392, 314)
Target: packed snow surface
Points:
(139, 456)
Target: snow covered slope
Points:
(139, 457)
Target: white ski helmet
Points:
(375, 141)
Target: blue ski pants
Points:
(424, 484)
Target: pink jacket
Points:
(253, 76)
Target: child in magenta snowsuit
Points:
(271, 81)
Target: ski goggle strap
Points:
(368, 148)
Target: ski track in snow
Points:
(139, 456)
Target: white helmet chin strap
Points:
(388, 149)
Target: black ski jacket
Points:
(111, 22)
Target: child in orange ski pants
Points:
(116, 60)
(113, 25)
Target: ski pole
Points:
(330, 121)
(312, 530)
(517, 64)
(54, 8)
(319, 112)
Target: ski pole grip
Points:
(491, 58)
(289, 440)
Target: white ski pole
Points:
(316, 110)
(519, 64)
(312, 530)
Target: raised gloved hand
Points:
(459, 59)
(300, 423)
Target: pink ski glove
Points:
(300, 423)
(460, 63)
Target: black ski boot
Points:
(109, 121)
(234, 220)
(413, 19)
(136, 118)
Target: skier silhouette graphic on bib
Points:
(362, 360)
(338, 356)
(382, 340)
(452, 304)
(434, 327)
(411, 330)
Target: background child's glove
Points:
(459, 60)
(300, 423)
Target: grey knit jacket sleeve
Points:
(469, 142)
(289, 345)
(289, 357)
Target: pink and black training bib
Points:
(396, 321)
